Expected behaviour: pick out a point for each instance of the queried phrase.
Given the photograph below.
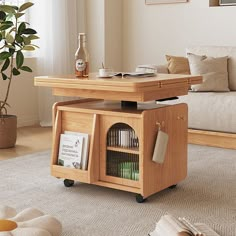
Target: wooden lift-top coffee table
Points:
(123, 132)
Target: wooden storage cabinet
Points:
(108, 156)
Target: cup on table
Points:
(105, 72)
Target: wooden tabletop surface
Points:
(118, 88)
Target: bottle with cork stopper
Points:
(82, 58)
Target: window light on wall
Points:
(12, 2)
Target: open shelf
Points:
(132, 150)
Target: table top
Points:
(117, 88)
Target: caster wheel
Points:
(173, 186)
(68, 182)
(139, 198)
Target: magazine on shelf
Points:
(85, 147)
(135, 74)
(171, 226)
(70, 150)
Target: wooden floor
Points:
(29, 140)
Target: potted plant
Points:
(15, 37)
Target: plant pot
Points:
(8, 131)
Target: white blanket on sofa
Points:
(210, 110)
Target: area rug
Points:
(207, 195)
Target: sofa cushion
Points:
(210, 111)
(178, 65)
(214, 71)
(219, 51)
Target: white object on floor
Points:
(27, 223)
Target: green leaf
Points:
(26, 68)
(9, 16)
(27, 41)
(18, 15)
(15, 7)
(15, 71)
(33, 37)
(0, 36)
(19, 39)
(7, 8)
(3, 34)
(4, 77)
(19, 59)
(29, 31)
(5, 25)
(28, 48)
(2, 15)
(25, 6)
(12, 29)
(9, 38)
(11, 47)
(4, 55)
(12, 50)
(5, 65)
(21, 27)
(35, 46)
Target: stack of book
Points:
(73, 150)
(123, 165)
(171, 226)
(122, 137)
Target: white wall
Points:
(95, 28)
(23, 96)
(152, 31)
(114, 34)
(104, 21)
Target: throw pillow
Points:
(178, 65)
(214, 71)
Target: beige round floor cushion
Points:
(29, 222)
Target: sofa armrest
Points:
(152, 68)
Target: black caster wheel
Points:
(139, 198)
(173, 186)
(68, 182)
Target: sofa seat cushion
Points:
(210, 110)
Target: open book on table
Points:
(171, 226)
(135, 74)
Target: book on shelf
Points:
(171, 226)
(74, 150)
(85, 147)
(122, 137)
(135, 74)
(70, 151)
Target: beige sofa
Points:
(212, 115)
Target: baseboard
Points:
(210, 138)
(29, 121)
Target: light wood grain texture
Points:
(96, 117)
(127, 89)
(106, 122)
(70, 173)
(94, 151)
(126, 150)
(210, 138)
(160, 176)
(118, 186)
(56, 137)
(30, 139)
